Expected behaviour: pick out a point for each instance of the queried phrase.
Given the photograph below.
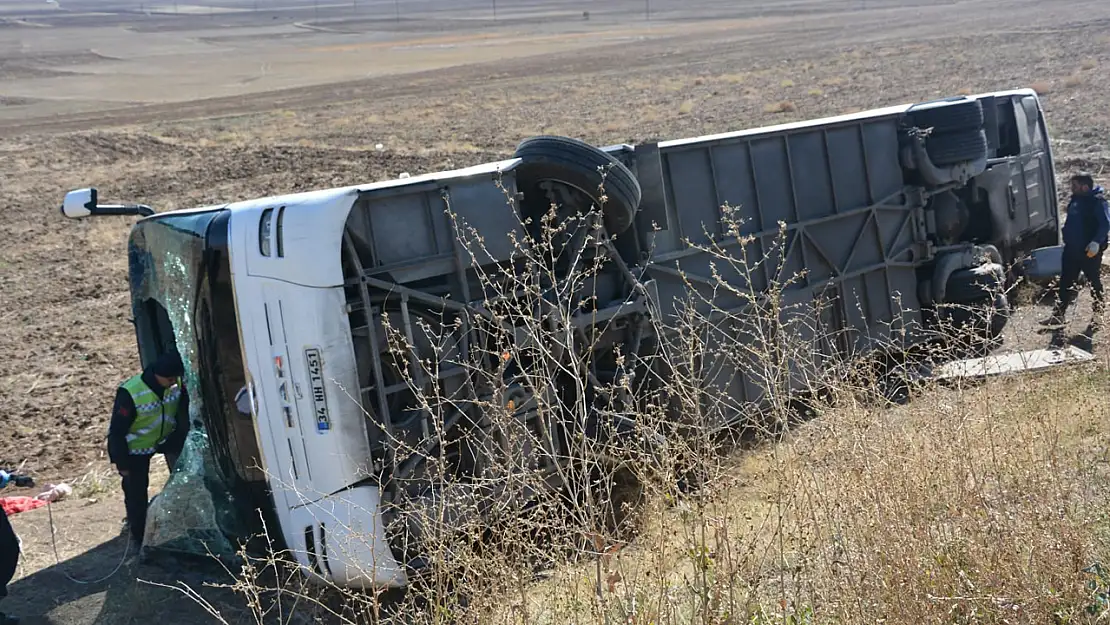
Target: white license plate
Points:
(316, 382)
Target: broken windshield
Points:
(180, 283)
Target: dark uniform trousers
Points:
(1075, 262)
(136, 486)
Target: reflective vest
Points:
(155, 418)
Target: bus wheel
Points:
(945, 116)
(956, 147)
(977, 309)
(579, 165)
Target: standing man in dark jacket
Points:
(1085, 236)
(9, 543)
(151, 415)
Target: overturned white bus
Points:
(889, 214)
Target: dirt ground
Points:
(164, 109)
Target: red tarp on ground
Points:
(17, 504)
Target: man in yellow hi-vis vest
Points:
(151, 415)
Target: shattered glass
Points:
(196, 513)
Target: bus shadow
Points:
(98, 587)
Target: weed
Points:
(1041, 87)
(780, 107)
(93, 484)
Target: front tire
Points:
(976, 311)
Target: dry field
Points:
(189, 106)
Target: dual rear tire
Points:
(956, 133)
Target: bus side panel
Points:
(405, 234)
(830, 221)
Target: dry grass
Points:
(95, 483)
(967, 506)
(1075, 80)
(784, 106)
(978, 504)
(1041, 87)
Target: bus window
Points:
(1033, 121)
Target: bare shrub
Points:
(656, 461)
(1041, 87)
(784, 106)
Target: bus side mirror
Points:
(81, 203)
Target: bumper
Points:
(340, 540)
(1043, 264)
